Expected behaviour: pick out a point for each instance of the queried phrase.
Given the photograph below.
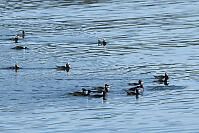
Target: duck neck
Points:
(166, 78)
(106, 88)
(16, 39)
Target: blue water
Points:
(144, 38)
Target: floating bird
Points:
(19, 47)
(140, 88)
(15, 67)
(164, 81)
(165, 76)
(105, 88)
(135, 90)
(21, 34)
(139, 83)
(67, 67)
(102, 42)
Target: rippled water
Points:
(144, 38)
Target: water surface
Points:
(144, 38)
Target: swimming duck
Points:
(139, 83)
(164, 81)
(15, 39)
(21, 34)
(19, 47)
(15, 67)
(140, 88)
(102, 42)
(67, 67)
(105, 88)
(82, 93)
(165, 76)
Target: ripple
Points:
(144, 38)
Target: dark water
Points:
(144, 38)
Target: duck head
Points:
(16, 66)
(166, 76)
(83, 90)
(107, 87)
(67, 65)
(140, 82)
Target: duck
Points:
(102, 42)
(105, 88)
(160, 77)
(15, 39)
(82, 93)
(103, 95)
(164, 81)
(15, 67)
(67, 67)
(139, 83)
(140, 88)
(19, 47)
(21, 34)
